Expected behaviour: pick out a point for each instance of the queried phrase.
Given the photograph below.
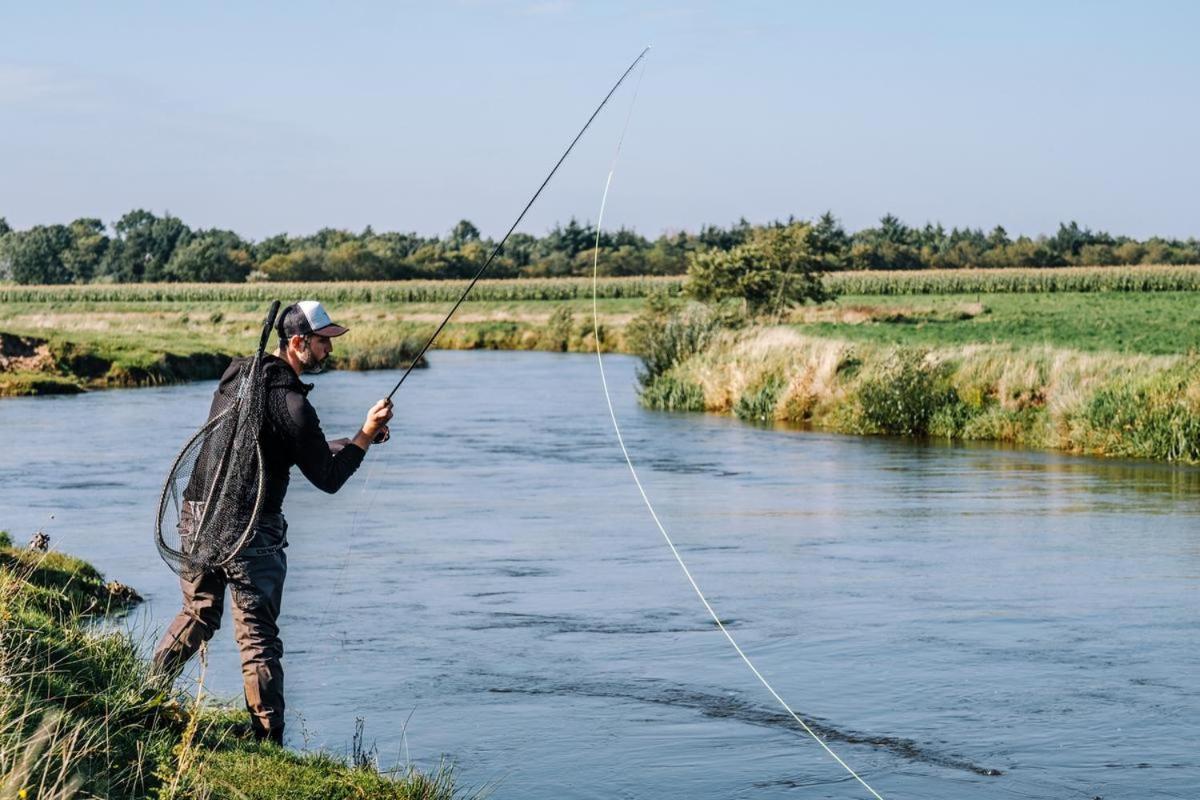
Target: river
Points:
(490, 589)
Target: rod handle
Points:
(268, 325)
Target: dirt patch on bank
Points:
(24, 354)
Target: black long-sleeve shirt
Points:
(291, 434)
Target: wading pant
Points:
(255, 581)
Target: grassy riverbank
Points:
(80, 717)
(66, 339)
(1101, 403)
(1083, 359)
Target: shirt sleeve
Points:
(327, 465)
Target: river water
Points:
(490, 589)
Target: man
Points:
(291, 434)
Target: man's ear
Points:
(296, 342)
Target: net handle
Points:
(268, 325)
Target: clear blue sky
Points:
(288, 117)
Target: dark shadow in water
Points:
(552, 624)
(725, 707)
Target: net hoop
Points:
(170, 554)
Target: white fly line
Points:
(642, 489)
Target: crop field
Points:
(1018, 281)
(344, 291)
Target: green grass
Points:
(81, 716)
(1147, 323)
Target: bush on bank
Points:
(81, 717)
(1101, 404)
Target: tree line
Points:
(145, 247)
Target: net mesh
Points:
(212, 496)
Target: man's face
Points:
(313, 351)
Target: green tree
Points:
(278, 244)
(777, 268)
(89, 247)
(5, 259)
(298, 265)
(998, 237)
(214, 256)
(143, 245)
(830, 241)
(35, 255)
(463, 233)
(353, 261)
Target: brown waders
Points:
(255, 580)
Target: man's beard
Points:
(309, 363)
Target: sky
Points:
(288, 117)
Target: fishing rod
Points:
(496, 250)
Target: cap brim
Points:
(331, 331)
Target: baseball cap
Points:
(306, 317)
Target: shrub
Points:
(903, 395)
(557, 333)
(665, 335)
(777, 268)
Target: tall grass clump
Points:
(1139, 414)
(665, 334)
(759, 404)
(668, 393)
(381, 352)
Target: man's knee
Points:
(258, 641)
(191, 628)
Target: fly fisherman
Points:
(291, 434)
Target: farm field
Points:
(1150, 323)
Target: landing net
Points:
(211, 499)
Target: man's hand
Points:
(375, 429)
(377, 418)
